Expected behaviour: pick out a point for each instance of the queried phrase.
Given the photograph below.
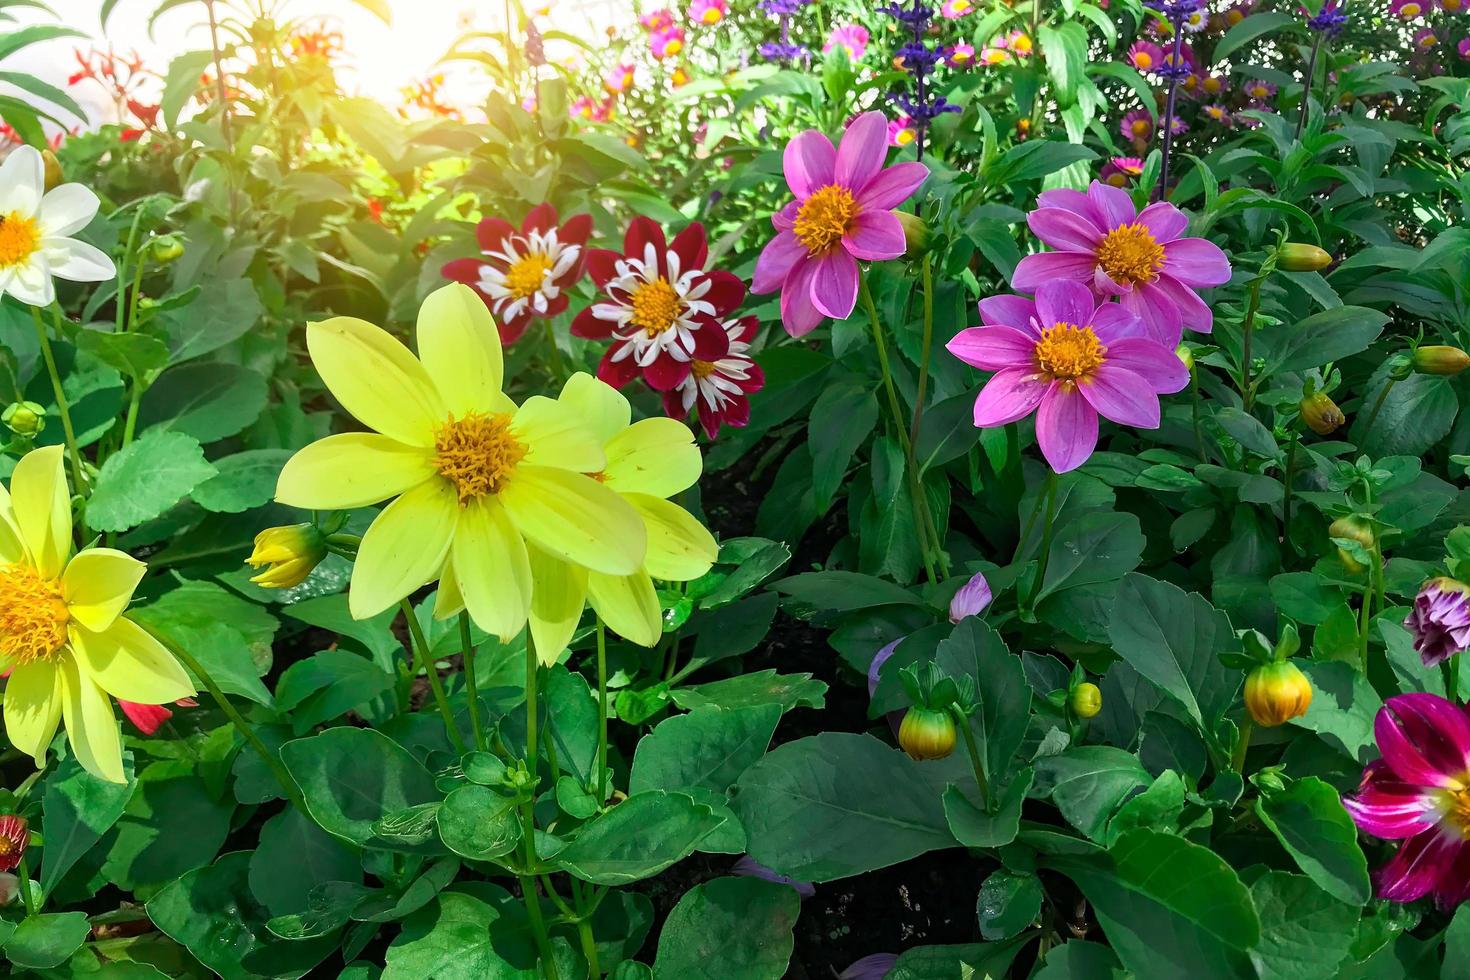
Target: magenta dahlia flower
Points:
(720, 390)
(1137, 125)
(851, 37)
(1146, 56)
(1120, 171)
(666, 43)
(960, 56)
(660, 307)
(1069, 360)
(524, 274)
(708, 12)
(1259, 89)
(1440, 620)
(659, 20)
(1419, 793)
(843, 212)
(1406, 9)
(1137, 256)
(955, 9)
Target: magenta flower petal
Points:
(1063, 229)
(1064, 301)
(1155, 363)
(1415, 870)
(875, 668)
(798, 315)
(810, 163)
(874, 966)
(1010, 394)
(1196, 262)
(1071, 200)
(835, 283)
(1010, 310)
(892, 187)
(875, 236)
(993, 348)
(1387, 807)
(1163, 220)
(1193, 312)
(1121, 396)
(1111, 322)
(861, 153)
(1440, 620)
(1161, 318)
(775, 262)
(1043, 267)
(1114, 205)
(1066, 428)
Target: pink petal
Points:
(1070, 200)
(1154, 363)
(1033, 270)
(835, 283)
(785, 219)
(809, 162)
(798, 315)
(1066, 428)
(892, 186)
(1113, 204)
(861, 153)
(1121, 396)
(1194, 313)
(1010, 394)
(1387, 807)
(1010, 311)
(1424, 739)
(1160, 316)
(1064, 229)
(875, 236)
(1415, 869)
(1163, 220)
(1196, 262)
(1111, 322)
(993, 348)
(775, 261)
(1064, 301)
(1105, 286)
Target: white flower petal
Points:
(67, 209)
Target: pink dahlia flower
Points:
(901, 132)
(843, 212)
(708, 12)
(1463, 48)
(852, 37)
(1137, 256)
(1425, 38)
(658, 20)
(960, 56)
(1419, 793)
(666, 44)
(1406, 9)
(1069, 360)
(955, 9)
(720, 390)
(1137, 125)
(1146, 56)
(1120, 171)
(619, 78)
(1440, 620)
(1259, 90)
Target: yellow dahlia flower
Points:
(63, 637)
(647, 461)
(478, 480)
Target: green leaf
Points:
(1343, 707)
(328, 685)
(452, 938)
(759, 687)
(1457, 946)
(729, 929)
(146, 478)
(77, 809)
(354, 776)
(1088, 783)
(182, 82)
(1416, 414)
(572, 722)
(1305, 597)
(43, 941)
(293, 857)
(842, 419)
(638, 838)
(136, 355)
(1009, 902)
(1078, 960)
(44, 90)
(1309, 820)
(217, 626)
(709, 749)
(1002, 696)
(14, 40)
(1330, 335)
(973, 826)
(220, 313)
(1305, 932)
(479, 823)
(1094, 549)
(243, 481)
(171, 825)
(209, 400)
(833, 592)
(1254, 26)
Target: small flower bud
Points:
(165, 249)
(1354, 529)
(9, 888)
(927, 734)
(1277, 692)
(1321, 413)
(25, 419)
(915, 232)
(1298, 257)
(289, 554)
(1439, 359)
(1186, 356)
(971, 599)
(15, 837)
(52, 165)
(1085, 700)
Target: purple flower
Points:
(1329, 20)
(1139, 257)
(749, 867)
(874, 966)
(843, 212)
(971, 599)
(1419, 792)
(1069, 360)
(1440, 620)
(782, 52)
(879, 659)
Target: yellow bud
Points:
(1276, 693)
(927, 734)
(915, 232)
(165, 249)
(53, 169)
(24, 418)
(1085, 700)
(1354, 529)
(288, 555)
(1440, 359)
(1186, 356)
(1321, 413)
(1298, 257)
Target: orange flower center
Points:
(655, 306)
(33, 615)
(1130, 255)
(1067, 352)
(824, 218)
(701, 369)
(19, 239)
(1455, 806)
(477, 453)
(527, 275)
(1143, 60)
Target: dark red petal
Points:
(642, 231)
(540, 218)
(727, 291)
(492, 231)
(691, 246)
(576, 229)
(665, 373)
(602, 266)
(737, 413)
(466, 271)
(616, 373)
(755, 382)
(709, 421)
(589, 327)
(748, 327)
(557, 305)
(710, 340)
(674, 405)
(511, 330)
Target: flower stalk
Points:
(420, 650)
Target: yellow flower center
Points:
(1455, 806)
(7, 847)
(19, 239)
(701, 369)
(655, 306)
(1143, 60)
(1068, 352)
(476, 453)
(527, 274)
(824, 218)
(33, 615)
(1129, 255)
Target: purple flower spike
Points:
(879, 659)
(971, 599)
(1440, 620)
(874, 966)
(749, 867)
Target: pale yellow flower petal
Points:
(97, 586)
(404, 548)
(628, 605)
(602, 407)
(555, 435)
(33, 707)
(448, 600)
(354, 469)
(656, 456)
(576, 519)
(42, 505)
(12, 545)
(680, 549)
(91, 727)
(559, 591)
(128, 663)
(460, 348)
(376, 379)
(491, 569)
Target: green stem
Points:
(426, 664)
(915, 427)
(601, 712)
(1194, 403)
(1243, 743)
(25, 886)
(557, 367)
(981, 782)
(1248, 329)
(1378, 405)
(472, 690)
(589, 947)
(1046, 534)
(122, 266)
(132, 322)
(528, 815)
(62, 406)
(1286, 496)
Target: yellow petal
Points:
(680, 549)
(91, 727)
(655, 456)
(376, 379)
(128, 663)
(404, 548)
(460, 348)
(355, 469)
(42, 505)
(12, 545)
(628, 605)
(559, 591)
(33, 707)
(576, 519)
(554, 435)
(97, 586)
(448, 600)
(491, 569)
(602, 407)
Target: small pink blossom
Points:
(961, 56)
(666, 43)
(708, 12)
(955, 9)
(851, 37)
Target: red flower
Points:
(13, 840)
(721, 389)
(147, 113)
(660, 307)
(130, 135)
(525, 274)
(149, 717)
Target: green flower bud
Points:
(25, 419)
(1186, 356)
(1440, 359)
(1276, 693)
(1354, 529)
(1321, 413)
(1299, 257)
(915, 232)
(927, 734)
(53, 172)
(1085, 700)
(165, 249)
(288, 554)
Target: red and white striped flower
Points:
(720, 390)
